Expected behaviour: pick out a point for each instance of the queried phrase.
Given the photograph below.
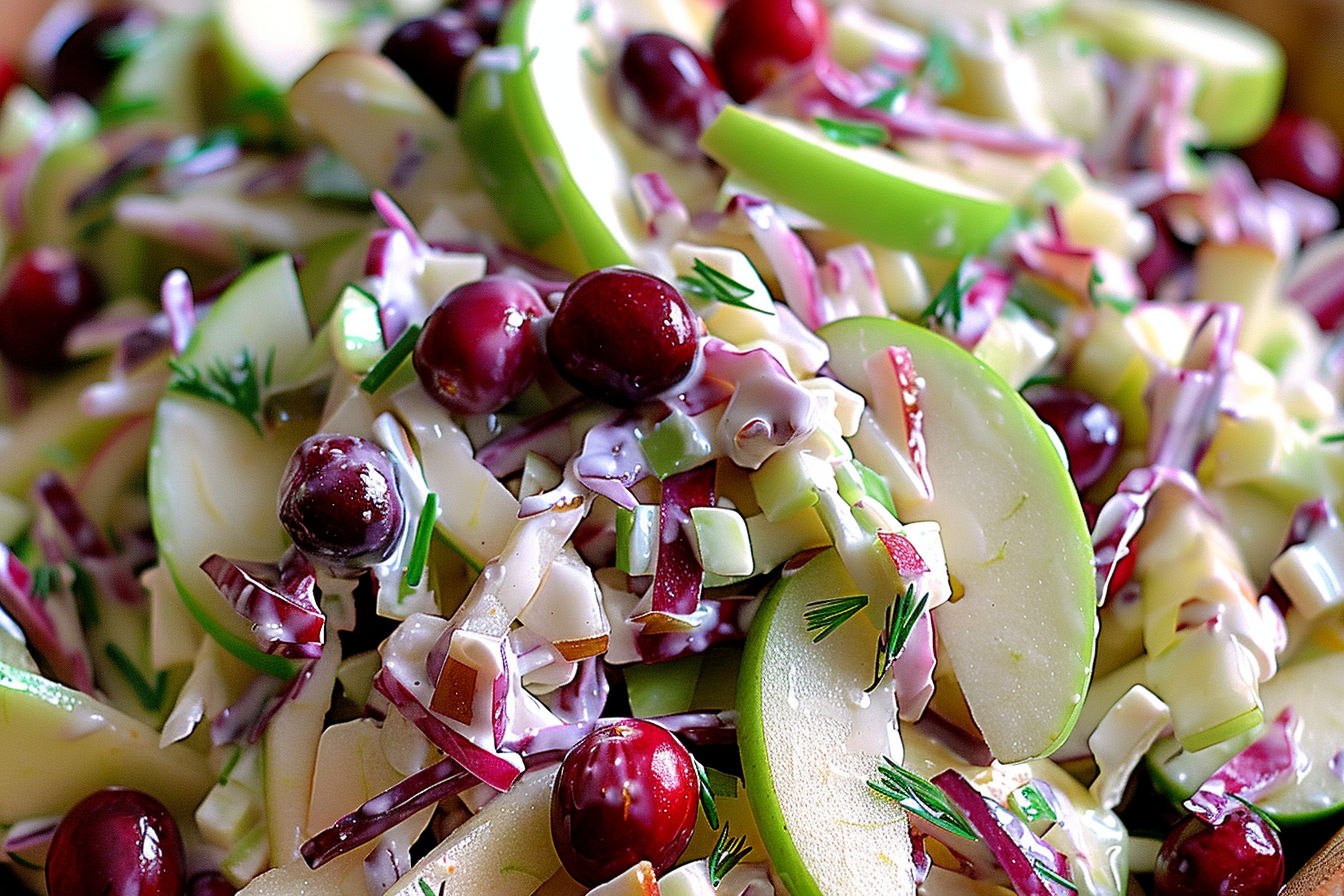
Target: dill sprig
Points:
(392, 359)
(946, 309)
(239, 386)
(919, 797)
(825, 616)
(1052, 875)
(424, 528)
(852, 133)
(728, 851)
(708, 282)
(150, 695)
(900, 621)
(707, 801)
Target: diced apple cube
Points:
(1312, 573)
(637, 539)
(783, 485)
(1015, 347)
(678, 442)
(228, 812)
(1244, 449)
(567, 609)
(721, 541)
(1209, 681)
(445, 271)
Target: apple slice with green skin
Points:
(212, 478)
(1021, 637)
(60, 745)
(865, 191)
(1312, 688)
(1241, 69)
(548, 147)
(810, 739)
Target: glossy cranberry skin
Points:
(86, 61)
(667, 91)
(626, 793)
(46, 294)
(1239, 856)
(433, 52)
(622, 335)
(757, 42)
(478, 350)
(339, 502)
(116, 842)
(1301, 150)
(209, 883)
(1091, 430)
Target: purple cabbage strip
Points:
(80, 541)
(547, 434)
(235, 723)
(716, 622)
(583, 699)
(60, 647)
(678, 575)
(179, 308)
(400, 801)
(489, 767)
(612, 460)
(1017, 849)
(1271, 761)
(1184, 402)
(280, 600)
(1320, 289)
(28, 833)
(661, 211)
(398, 220)
(788, 257)
(1121, 517)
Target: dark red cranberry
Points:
(1302, 150)
(626, 793)
(1165, 258)
(1090, 429)
(90, 56)
(667, 91)
(757, 42)
(46, 294)
(622, 335)
(478, 349)
(1240, 855)
(433, 52)
(485, 16)
(116, 841)
(209, 883)
(9, 77)
(339, 502)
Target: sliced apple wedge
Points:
(810, 739)
(865, 191)
(1022, 635)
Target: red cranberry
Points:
(1240, 855)
(1089, 429)
(116, 841)
(209, 883)
(756, 42)
(433, 52)
(1301, 150)
(339, 502)
(626, 793)
(622, 335)
(478, 350)
(667, 91)
(90, 56)
(9, 77)
(46, 293)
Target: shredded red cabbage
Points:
(49, 623)
(678, 575)
(279, 599)
(1272, 760)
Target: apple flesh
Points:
(810, 739)
(1022, 636)
(867, 192)
(1241, 69)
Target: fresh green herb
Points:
(946, 307)
(595, 65)
(123, 41)
(238, 387)
(852, 133)
(415, 566)
(709, 283)
(426, 888)
(900, 621)
(1256, 810)
(1098, 297)
(725, 856)
(891, 99)
(230, 764)
(722, 783)
(86, 595)
(46, 579)
(707, 803)
(387, 365)
(150, 695)
(920, 797)
(1028, 804)
(586, 12)
(1051, 874)
(1332, 438)
(1044, 379)
(123, 110)
(940, 63)
(825, 616)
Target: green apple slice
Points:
(865, 191)
(1313, 689)
(212, 478)
(1021, 638)
(60, 745)
(1241, 69)
(548, 147)
(810, 740)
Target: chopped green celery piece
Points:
(721, 540)
(850, 482)
(783, 485)
(1027, 803)
(356, 331)
(663, 688)
(875, 486)
(249, 855)
(675, 444)
(636, 539)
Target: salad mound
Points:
(665, 446)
